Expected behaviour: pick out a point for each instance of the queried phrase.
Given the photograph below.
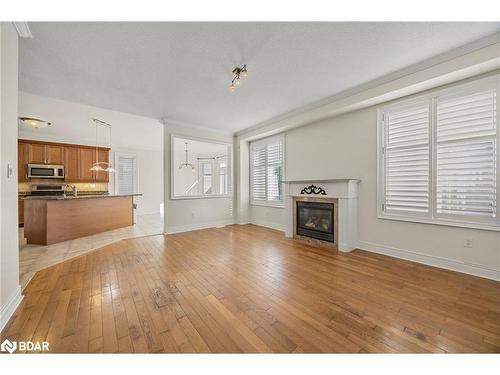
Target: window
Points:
(266, 168)
(222, 164)
(206, 178)
(126, 173)
(199, 168)
(438, 158)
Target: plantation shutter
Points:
(274, 166)
(259, 173)
(406, 159)
(126, 169)
(267, 170)
(466, 154)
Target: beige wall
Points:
(194, 213)
(346, 147)
(10, 291)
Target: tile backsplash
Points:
(25, 187)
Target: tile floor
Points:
(33, 258)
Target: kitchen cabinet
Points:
(102, 156)
(71, 163)
(22, 166)
(54, 154)
(20, 208)
(36, 153)
(77, 159)
(86, 161)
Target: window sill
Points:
(201, 196)
(451, 223)
(268, 204)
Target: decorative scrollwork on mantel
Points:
(312, 189)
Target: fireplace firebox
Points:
(316, 220)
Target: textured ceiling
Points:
(182, 71)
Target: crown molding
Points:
(23, 29)
(469, 60)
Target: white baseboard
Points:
(432, 260)
(197, 226)
(10, 307)
(268, 224)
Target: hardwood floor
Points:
(249, 289)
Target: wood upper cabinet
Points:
(71, 163)
(36, 153)
(102, 156)
(77, 159)
(22, 162)
(54, 154)
(86, 160)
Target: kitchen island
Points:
(52, 219)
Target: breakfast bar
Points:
(53, 219)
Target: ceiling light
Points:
(34, 122)
(243, 72)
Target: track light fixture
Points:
(238, 73)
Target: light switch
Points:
(10, 170)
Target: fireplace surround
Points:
(338, 228)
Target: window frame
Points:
(261, 142)
(229, 168)
(432, 217)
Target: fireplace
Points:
(316, 220)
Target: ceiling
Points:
(182, 71)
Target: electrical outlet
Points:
(468, 242)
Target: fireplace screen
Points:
(315, 220)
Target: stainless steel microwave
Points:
(45, 171)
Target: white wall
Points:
(194, 213)
(10, 290)
(345, 147)
(130, 134)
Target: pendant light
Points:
(186, 163)
(101, 166)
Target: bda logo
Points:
(8, 346)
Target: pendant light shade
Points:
(101, 166)
(186, 162)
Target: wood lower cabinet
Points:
(20, 208)
(77, 159)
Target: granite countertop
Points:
(84, 196)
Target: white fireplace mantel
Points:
(344, 190)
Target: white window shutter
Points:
(406, 159)
(466, 154)
(126, 170)
(259, 173)
(274, 173)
